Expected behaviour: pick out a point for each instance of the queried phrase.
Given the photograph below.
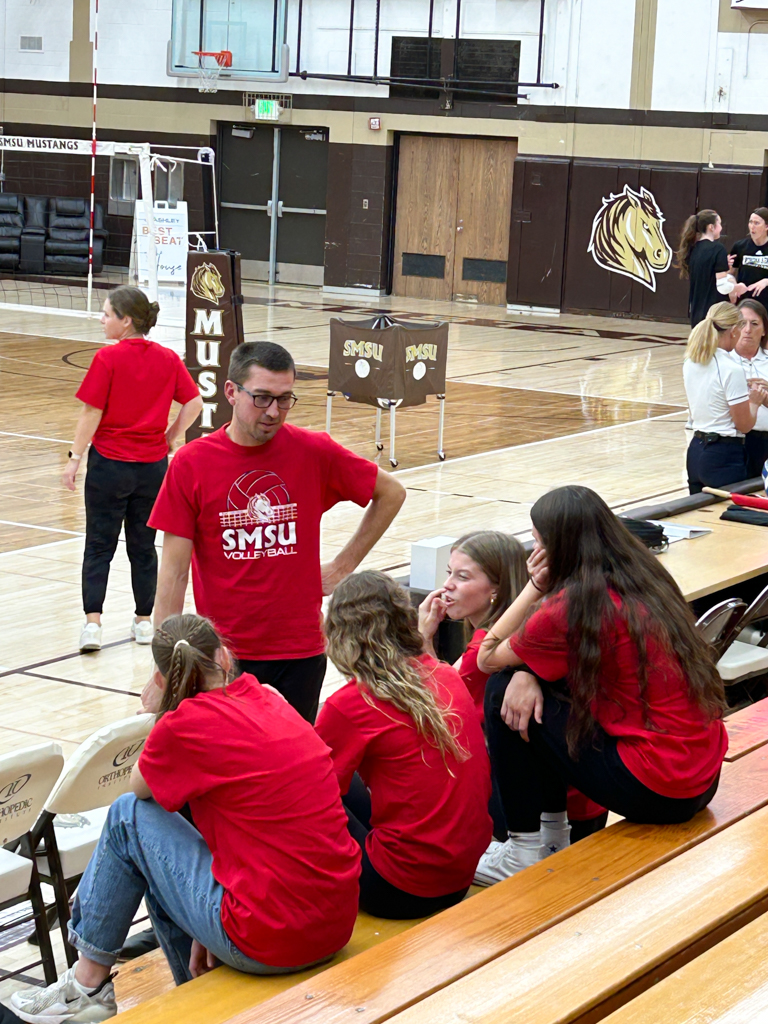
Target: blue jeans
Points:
(146, 852)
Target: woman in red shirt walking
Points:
(617, 693)
(406, 723)
(127, 394)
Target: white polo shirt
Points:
(711, 389)
(757, 367)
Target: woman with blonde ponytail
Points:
(405, 722)
(702, 259)
(267, 880)
(723, 407)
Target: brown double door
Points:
(454, 198)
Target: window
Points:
(253, 31)
(168, 185)
(476, 61)
(123, 185)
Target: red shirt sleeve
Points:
(541, 643)
(97, 382)
(346, 742)
(169, 766)
(349, 477)
(175, 510)
(186, 389)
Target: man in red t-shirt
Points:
(243, 505)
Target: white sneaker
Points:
(90, 637)
(502, 860)
(142, 632)
(65, 1002)
(554, 838)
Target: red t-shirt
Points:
(580, 807)
(680, 756)
(253, 516)
(474, 679)
(429, 827)
(262, 791)
(134, 383)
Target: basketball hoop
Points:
(210, 65)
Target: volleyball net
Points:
(79, 217)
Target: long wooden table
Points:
(731, 554)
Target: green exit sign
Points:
(267, 110)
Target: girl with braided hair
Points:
(407, 724)
(254, 888)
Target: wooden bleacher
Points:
(747, 729)
(408, 967)
(599, 959)
(726, 985)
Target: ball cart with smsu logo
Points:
(389, 364)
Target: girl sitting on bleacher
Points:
(268, 884)
(486, 572)
(406, 722)
(617, 693)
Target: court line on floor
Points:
(34, 437)
(78, 682)
(46, 529)
(36, 547)
(531, 444)
(63, 657)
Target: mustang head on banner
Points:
(628, 237)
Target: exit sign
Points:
(267, 110)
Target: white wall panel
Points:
(683, 72)
(51, 19)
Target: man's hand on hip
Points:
(332, 573)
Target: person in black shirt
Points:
(704, 261)
(749, 256)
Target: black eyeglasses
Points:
(284, 402)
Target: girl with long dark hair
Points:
(749, 258)
(702, 259)
(419, 806)
(615, 692)
(268, 884)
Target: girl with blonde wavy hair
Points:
(405, 722)
(723, 406)
(250, 886)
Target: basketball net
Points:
(210, 65)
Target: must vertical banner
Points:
(214, 328)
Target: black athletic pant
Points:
(299, 680)
(756, 451)
(714, 463)
(534, 776)
(116, 493)
(378, 896)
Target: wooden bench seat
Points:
(726, 985)
(146, 991)
(747, 729)
(586, 967)
(380, 982)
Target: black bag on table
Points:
(650, 534)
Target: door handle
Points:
(269, 207)
(280, 208)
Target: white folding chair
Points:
(743, 660)
(96, 774)
(26, 779)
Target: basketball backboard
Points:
(253, 31)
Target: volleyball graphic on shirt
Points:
(765, 477)
(258, 497)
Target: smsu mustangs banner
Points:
(214, 328)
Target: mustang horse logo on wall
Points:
(628, 237)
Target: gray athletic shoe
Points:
(65, 1002)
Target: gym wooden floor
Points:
(531, 403)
